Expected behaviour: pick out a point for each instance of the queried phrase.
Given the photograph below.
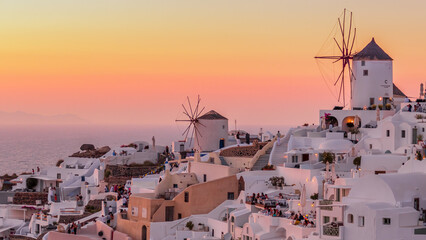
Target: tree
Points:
(354, 131)
(420, 117)
(357, 162)
(328, 157)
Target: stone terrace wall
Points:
(29, 198)
(242, 151)
(129, 171)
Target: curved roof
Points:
(390, 188)
(212, 115)
(372, 52)
(336, 145)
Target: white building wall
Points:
(211, 131)
(378, 83)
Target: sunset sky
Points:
(134, 62)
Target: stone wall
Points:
(29, 198)
(242, 151)
(129, 171)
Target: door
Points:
(144, 234)
(222, 143)
(417, 204)
(169, 213)
(305, 157)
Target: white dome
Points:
(336, 145)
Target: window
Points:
(371, 146)
(386, 221)
(361, 221)
(326, 219)
(230, 196)
(179, 215)
(362, 63)
(58, 176)
(175, 185)
(205, 177)
(186, 197)
(371, 101)
(403, 133)
(365, 73)
(423, 129)
(134, 211)
(212, 232)
(335, 219)
(387, 133)
(350, 218)
(294, 159)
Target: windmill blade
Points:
(196, 108)
(349, 36)
(338, 78)
(196, 136)
(342, 32)
(351, 72)
(337, 60)
(192, 136)
(201, 124)
(186, 111)
(341, 50)
(340, 91)
(328, 57)
(353, 41)
(197, 131)
(190, 107)
(200, 112)
(189, 126)
(344, 25)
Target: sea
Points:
(23, 148)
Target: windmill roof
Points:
(212, 115)
(397, 91)
(372, 52)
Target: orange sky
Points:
(134, 62)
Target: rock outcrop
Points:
(95, 153)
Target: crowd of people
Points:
(122, 192)
(72, 228)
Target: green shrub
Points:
(190, 225)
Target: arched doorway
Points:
(241, 185)
(348, 123)
(144, 233)
(331, 120)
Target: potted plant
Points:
(419, 117)
(380, 106)
(373, 107)
(388, 106)
(357, 162)
(328, 157)
(189, 225)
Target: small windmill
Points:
(344, 42)
(194, 124)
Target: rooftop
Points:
(372, 52)
(212, 115)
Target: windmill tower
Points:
(209, 131)
(344, 41)
(373, 71)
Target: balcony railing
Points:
(330, 230)
(326, 202)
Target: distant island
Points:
(31, 118)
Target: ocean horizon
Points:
(24, 147)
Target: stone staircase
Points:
(262, 161)
(276, 157)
